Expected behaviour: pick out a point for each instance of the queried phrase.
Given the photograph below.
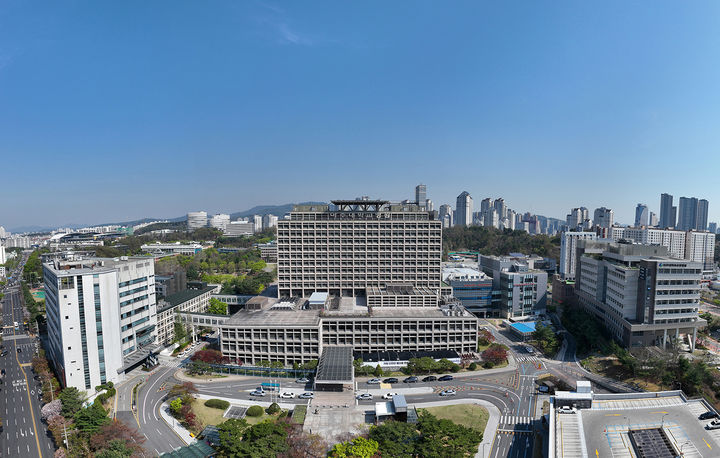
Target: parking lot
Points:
(606, 430)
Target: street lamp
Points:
(681, 447)
(663, 419)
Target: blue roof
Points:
(524, 327)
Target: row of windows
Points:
(133, 291)
(132, 282)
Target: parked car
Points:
(302, 380)
(287, 395)
(257, 393)
(306, 395)
(708, 415)
(429, 378)
(543, 389)
(445, 378)
(715, 422)
(19, 350)
(411, 379)
(374, 381)
(529, 349)
(448, 393)
(391, 380)
(566, 409)
(711, 426)
(365, 396)
(389, 395)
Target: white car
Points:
(530, 349)
(257, 393)
(448, 393)
(566, 409)
(374, 381)
(287, 395)
(389, 395)
(307, 395)
(365, 396)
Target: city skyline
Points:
(278, 91)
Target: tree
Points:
(72, 401)
(57, 426)
(395, 438)
(303, 445)
(116, 449)
(254, 411)
(357, 448)
(230, 433)
(180, 330)
(273, 408)
(495, 354)
(51, 409)
(217, 307)
(182, 389)
(117, 431)
(485, 337)
(378, 372)
(91, 418)
(176, 405)
(210, 357)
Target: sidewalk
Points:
(512, 365)
(485, 447)
(180, 375)
(183, 433)
(247, 402)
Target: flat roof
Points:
(183, 296)
(524, 327)
(336, 364)
(317, 297)
(275, 318)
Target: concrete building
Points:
(164, 249)
(642, 218)
(642, 296)
(464, 209)
(500, 207)
(194, 300)
(653, 220)
(522, 287)
(691, 245)
(220, 221)
(268, 251)
(196, 220)
(603, 217)
(257, 223)
(3, 256)
(668, 212)
(712, 227)
(101, 318)
(269, 221)
(568, 245)
(170, 283)
(473, 288)
(298, 336)
(3, 233)
(355, 244)
(577, 218)
(240, 228)
(490, 218)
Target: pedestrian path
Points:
(632, 404)
(170, 361)
(528, 359)
(516, 420)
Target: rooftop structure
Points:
(335, 368)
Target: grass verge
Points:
(470, 415)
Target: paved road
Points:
(24, 433)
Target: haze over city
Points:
(549, 105)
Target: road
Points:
(24, 433)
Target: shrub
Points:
(217, 404)
(273, 409)
(488, 365)
(472, 367)
(254, 411)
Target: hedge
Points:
(273, 409)
(254, 411)
(217, 404)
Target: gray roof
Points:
(183, 296)
(336, 365)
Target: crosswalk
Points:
(515, 420)
(528, 359)
(170, 362)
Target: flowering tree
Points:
(495, 354)
(51, 409)
(210, 357)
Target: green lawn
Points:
(207, 415)
(470, 415)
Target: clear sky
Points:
(120, 110)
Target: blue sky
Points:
(121, 110)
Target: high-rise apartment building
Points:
(702, 215)
(257, 223)
(490, 218)
(464, 209)
(653, 219)
(356, 244)
(446, 215)
(500, 207)
(642, 296)
(3, 256)
(486, 204)
(269, 221)
(641, 215)
(568, 245)
(692, 214)
(712, 227)
(196, 220)
(101, 317)
(577, 218)
(668, 212)
(603, 217)
(420, 194)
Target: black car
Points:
(708, 415)
(411, 379)
(429, 378)
(3, 353)
(391, 380)
(445, 378)
(19, 350)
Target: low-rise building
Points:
(164, 249)
(192, 300)
(268, 251)
(473, 288)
